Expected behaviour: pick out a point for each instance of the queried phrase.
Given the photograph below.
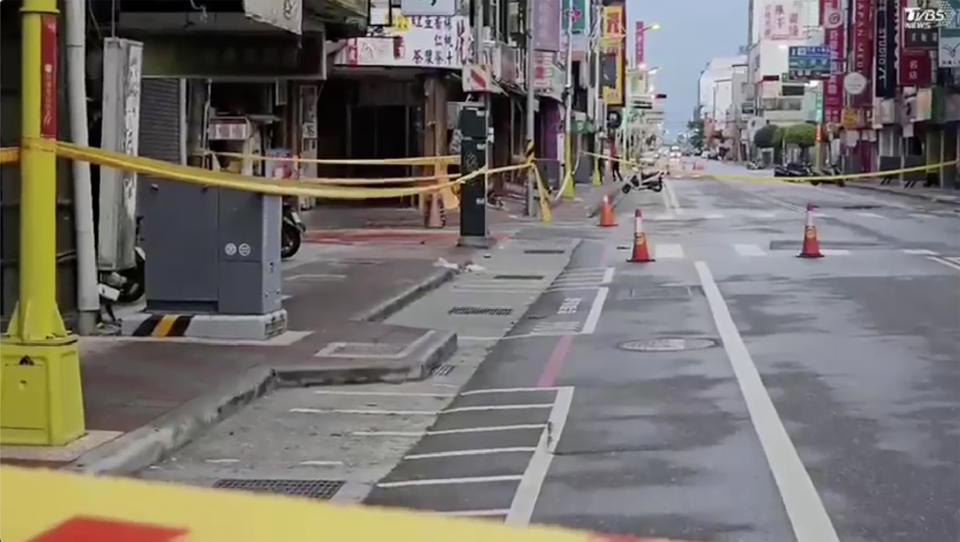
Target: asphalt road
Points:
(729, 390)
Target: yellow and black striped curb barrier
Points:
(43, 504)
(164, 325)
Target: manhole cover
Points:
(314, 489)
(518, 277)
(668, 344)
(493, 311)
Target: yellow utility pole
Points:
(40, 397)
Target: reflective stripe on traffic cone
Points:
(811, 246)
(641, 252)
(606, 213)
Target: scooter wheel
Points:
(290, 240)
(135, 285)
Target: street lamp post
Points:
(567, 187)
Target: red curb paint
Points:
(555, 362)
(90, 529)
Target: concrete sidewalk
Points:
(144, 397)
(938, 195)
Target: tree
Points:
(768, 136)
(801, 135)
(696, 137)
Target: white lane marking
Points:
(449, 481)
(918, 215)
(486, 429)
(371, 411)
(608, 275)
(317, 276)
(479, 451)
(483, 408)
(224, 460)
(475, 513)
(590, 324)
(800, 498)
(713, 216)
(321, 463)
(383, 393)
(665, 194)
(672, 195)
(867, 214)
(525, 499)
(569, 305)
(835, 252)
(506, 390)
(949, 262)
(920, 251)
(819, 214)
(749, 250)
(765, 214)
(667, 251)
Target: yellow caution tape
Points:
(9, 154)
(841, 177)
(235, 181)
(414, 161)
(57, 505)
(360, 181)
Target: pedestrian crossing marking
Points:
(835, 252)
(749, 250)
(668, 250)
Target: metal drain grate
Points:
(314, 489)
(492, 311)
(443, 370)
(663, 292)
(543, 251)
(518, 277)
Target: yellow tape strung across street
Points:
(413, 161)
(9, 154)
(842, 177)
(235, 181)
(359, 181)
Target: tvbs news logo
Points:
(930, 15)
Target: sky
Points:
(682, 48)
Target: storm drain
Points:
(668, 344)
(543, 251)
(472, 311)
(518, 277)
(313, 489)
(678, 293)
(443, 370)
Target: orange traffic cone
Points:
(641, 252)
(434, 218)
(811, 246)
(606, 213)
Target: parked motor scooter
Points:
(291, 231)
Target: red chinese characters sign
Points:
(831, 17)
(863, 13)
(48, 76)
(915, 66)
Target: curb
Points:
(949, 200)
(392, 305)
(151, 443)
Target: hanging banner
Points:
(638, 44)
(863, 49)
(914, 67)
(612, 60)
(546, 25)
(831, 18)
(578, 14)
(781, 20)
(885, 69)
